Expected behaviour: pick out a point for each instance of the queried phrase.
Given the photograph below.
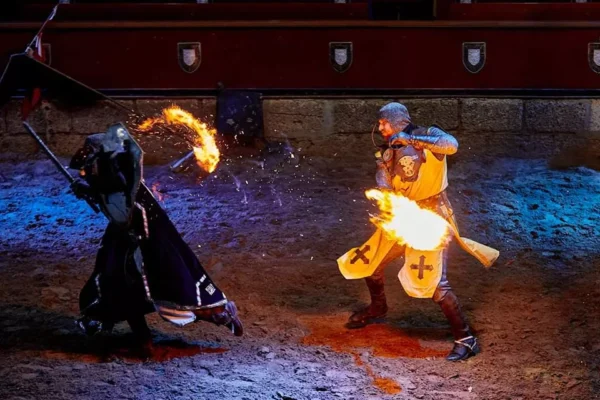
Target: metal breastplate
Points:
(112, 163)
(105, 176)
(406, 163)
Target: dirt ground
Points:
(269, 230)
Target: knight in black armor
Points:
(413, 163)
(143, 264)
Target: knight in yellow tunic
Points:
(413, 163)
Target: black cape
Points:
(171, 275)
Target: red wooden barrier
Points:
(298, 55)
(555, 10)
(195, 12)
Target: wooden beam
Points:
(174, 25)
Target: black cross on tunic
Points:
(422, 267)
(360, 254)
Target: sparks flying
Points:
(203, 141)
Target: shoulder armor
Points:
(435, 129)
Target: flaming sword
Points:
(55, 160)
(179, 165)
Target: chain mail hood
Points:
(396, 114)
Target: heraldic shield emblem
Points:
(340, 55)
(189, 55)
(473, 56)
(594, 56)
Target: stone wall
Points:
(499, 127)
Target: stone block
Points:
(340, 146)
(14, 124)
(207, 110)
(595, 116)
(203, 109)
(162, 147)
(425, 112)
(99, 117)
(492, 115)
(162, 150)
(557, 115)
(2, 119)
(297, 118)
(58, 118)
(18, 144)
(507, 144)
(356, 116)
(65, 144)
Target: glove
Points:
(81, 189)
(400, 139)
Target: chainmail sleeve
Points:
(382, 176)
(436, 140)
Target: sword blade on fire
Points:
(484, 254)
(183, 163)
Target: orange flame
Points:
(407, 223)
(204, 145)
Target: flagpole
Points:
(50, 17)
(34, 96)
(36, 37)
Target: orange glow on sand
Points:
(382, 339)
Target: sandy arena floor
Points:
(269, 232)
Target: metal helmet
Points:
(396, 114)
(86, 154)
(112, 161)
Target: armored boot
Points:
(465, 344)
(226, 315)
(91, 326)
(376, 310)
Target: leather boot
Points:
(376, 310)
(143, 346)
(465, 344)
(464, 348)
(230, 319)
(226, 315)
(91, 326)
